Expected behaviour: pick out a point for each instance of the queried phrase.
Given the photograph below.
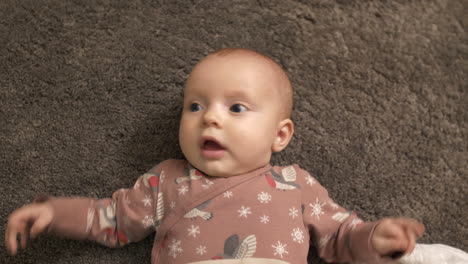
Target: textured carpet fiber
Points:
(90, 95)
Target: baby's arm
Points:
(27, 221)
(128, 216)
(340, 236)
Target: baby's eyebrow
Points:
(239, 94)
(193, 95)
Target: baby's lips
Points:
(212, 145)
(211, 140)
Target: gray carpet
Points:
(90, 95)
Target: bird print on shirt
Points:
(151, 180)
(285, 181)
(197, 212)
(108, 224)
(235, 250)
(189, 174)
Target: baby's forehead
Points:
(258, 67)
(245, 63)
(238, 68)
(250, 59)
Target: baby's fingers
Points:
(411, 237)
(11, 234)
(412, 225)
(413, 230)
(39, 226)
(10, 243)
(20, 222)
(24, 237)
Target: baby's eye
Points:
(237, 108)
(194, 107)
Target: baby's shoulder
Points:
(294, 172)
(290, 169)
(170, 165)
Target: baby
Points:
(225, 201)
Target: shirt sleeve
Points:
(339, 235)
(129, 216)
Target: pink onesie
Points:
(271, 212)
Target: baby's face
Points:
(230, 116)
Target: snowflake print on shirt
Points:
(244, 211)
(280, 249)
(172, 205)
(127, 201)
(183, 190)
(201, 250)
(355, 222)
(317, 208)
(147, 221)
(147, 201)
(193, 231)
(298, 235)
(264, 219)
(293, 212)
(310, 180)
(264, 197)
(207, 184)
(227, 194)
(174, 248)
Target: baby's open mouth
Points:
(211, 145)
(211, 148)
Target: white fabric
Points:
(241, 261)
(422, 254)
(435, 254)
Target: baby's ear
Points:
(284, 134)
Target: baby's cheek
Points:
(185, 144)
(257, 151)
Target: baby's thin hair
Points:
(230, 51)
(287, 89)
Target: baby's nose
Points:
(212, 118)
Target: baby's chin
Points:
(217, 168)
(217, 172)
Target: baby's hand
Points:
(395, 237)
(27, 221)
